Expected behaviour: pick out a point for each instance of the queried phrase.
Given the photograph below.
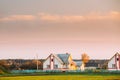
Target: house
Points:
(78, 63)
(59, 62)
(91, 64)
(96, 64)
(114, 62)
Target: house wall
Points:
(51, 62)
(47, 62)
(57, 62)
(115, 60)
(53, 65)
(110, 63)
(90, 68)
(118, 62)
(72, 64)
(78, 64)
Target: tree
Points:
(4, 68)
(85, 59)
(3, 63)
(31, 65)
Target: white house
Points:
(59, 62)
(114, 62)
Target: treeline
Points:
(7, 65)
(4, 68)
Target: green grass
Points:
(63, 77)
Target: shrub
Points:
(1, 72)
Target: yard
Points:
(63, 77)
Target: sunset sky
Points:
(30, 27)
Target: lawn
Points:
(63, 77)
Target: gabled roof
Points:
(55, 57)
(114, 56)
(78, 62)
(64, 57)
(58, 58)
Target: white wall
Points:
(47, 62)
(112, 61)
(118, 62)
(57, 62)
(90, 68)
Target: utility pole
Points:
(37, 60)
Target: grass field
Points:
(63, 77)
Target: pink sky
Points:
(40, 27)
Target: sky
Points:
(41, 27)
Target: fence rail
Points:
(67, 71)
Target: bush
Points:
(1, 72)
(96, 71)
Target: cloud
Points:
(18, 18)
(60, 18)
(114, 15)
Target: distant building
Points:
(78, 63)
(114, 62)
(59, 62)
(91, 64)
(95, 64)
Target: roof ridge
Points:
(58, 58)
(64, 57)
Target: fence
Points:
(68, 71)
(26, 71)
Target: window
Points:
(51, 60)
(48, 66)
(55, 66)
(117, 59)
(113, 65)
